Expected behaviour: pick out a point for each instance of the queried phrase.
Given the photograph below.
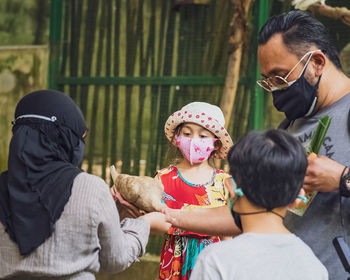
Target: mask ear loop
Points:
(238, 191)
(302, 72)
(310, 53)
(304, 199)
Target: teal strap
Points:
(197, 185)
(194, 247)
(303, 198)
(238, 191)
(183, 179)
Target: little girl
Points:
(197, 130)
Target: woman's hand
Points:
(113, 191)
(124, 206)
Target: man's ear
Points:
(319, 61)
(298, 199)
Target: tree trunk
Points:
(337, 13)
(238, 30)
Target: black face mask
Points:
(78, 154)
(237, 219)
(237, 216)
(298, 100)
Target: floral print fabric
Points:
(180, 247)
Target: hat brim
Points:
(203, 120)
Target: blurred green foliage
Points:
(24, 22)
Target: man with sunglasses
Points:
(269, 170)
(302, 71)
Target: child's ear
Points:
(173, 141)
(298, 199)
(217, 145)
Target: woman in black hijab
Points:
(46, 149)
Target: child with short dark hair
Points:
(269, 170)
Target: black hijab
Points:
(45, 150)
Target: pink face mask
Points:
(195, 149)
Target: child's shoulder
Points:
(220, 171)
(222, 174)
(166, 171)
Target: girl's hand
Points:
(113, 191)
(132, 211)
(157, 222)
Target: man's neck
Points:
(334, 85)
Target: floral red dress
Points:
(180, 247)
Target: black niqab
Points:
(45, 150)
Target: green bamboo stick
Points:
(314, 147)
(319, 135)
(131, 52)
(107, 93)
(156, 96)
(181, 63)
(115, 97)
(75, 31)
(65, 45)
(93, 134)
(165, 90)
(89, 44)
(144, 62)
(150, 150)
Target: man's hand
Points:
(322, 174)
(171, 216)
(209, 221)
(157, 222)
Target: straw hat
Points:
(206, 115)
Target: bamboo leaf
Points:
(319, 135)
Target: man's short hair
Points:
(269, 167)
(299, 31)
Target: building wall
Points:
(23, 69)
